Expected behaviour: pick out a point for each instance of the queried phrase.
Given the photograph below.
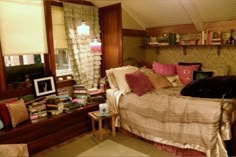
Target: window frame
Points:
(10, 90)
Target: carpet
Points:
(88, 145)
(110, 148)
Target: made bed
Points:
(165, 116)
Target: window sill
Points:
(20, 89)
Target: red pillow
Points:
(138, 83)
(164, 69)
(4, 114)
(185, 72)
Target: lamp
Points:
(95, 46)
(83, 29)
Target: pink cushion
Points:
(164, 69)
(185, 72)
(138, 83)
(4, 114)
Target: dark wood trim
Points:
(3, 86)
(50, 57)
(181, 29)
(65, 83)
(111, 35)
(20, 89)
(133, 32)
(60, 2)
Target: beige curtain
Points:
(85, 64)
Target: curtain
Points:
(85, 64)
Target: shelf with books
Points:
(203, 38)
(157, 47)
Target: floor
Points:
(79, 144)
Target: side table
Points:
(95, 116)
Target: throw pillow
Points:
(119, 74)
(18, 112)
(164, 69)
(146, 70)
(111, 79)
(191, 63)
(158, 81)
(4, 114)
(201, 74)
(185, 72)
(138, 83)
(211, 87)
(1, 124)
(175, 81)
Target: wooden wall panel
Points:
(111, 28)
(181, 29)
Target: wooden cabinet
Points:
(50, 131)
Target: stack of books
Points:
(97, 95)
(80, 95)
(54, 106)
(37, 110)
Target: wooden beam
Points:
(192, 12)
(181, 29)
(133, 32)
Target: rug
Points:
(111, 148)
(121, 145)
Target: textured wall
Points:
(207, 55)
(131, 48)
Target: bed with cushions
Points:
(151, 105)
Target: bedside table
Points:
(95, 116)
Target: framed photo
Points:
(44, 86)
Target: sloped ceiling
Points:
(157, 13)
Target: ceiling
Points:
(157, 13)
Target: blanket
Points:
(167, 117)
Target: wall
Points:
(131, 44)
(207, 55)
(210, 56)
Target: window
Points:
(18, 67)
(63, 66)
(62, 59)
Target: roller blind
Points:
(22, 27)
(58, 24)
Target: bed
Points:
(166, 117)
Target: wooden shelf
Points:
(184, 47)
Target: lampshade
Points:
(96, 46)
(83, 29)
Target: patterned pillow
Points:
(185, 72)
(138, 83)
(201, 74)
(1, 124)
(164, 69)
(175, 81)
(158, 81)
(18, 112)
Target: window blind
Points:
(22, 27)
(58, 24)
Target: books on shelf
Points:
(39, 114)
(55, 105)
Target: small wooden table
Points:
(95, 116)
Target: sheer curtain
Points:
(85, 64)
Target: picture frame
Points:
(44, 86)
